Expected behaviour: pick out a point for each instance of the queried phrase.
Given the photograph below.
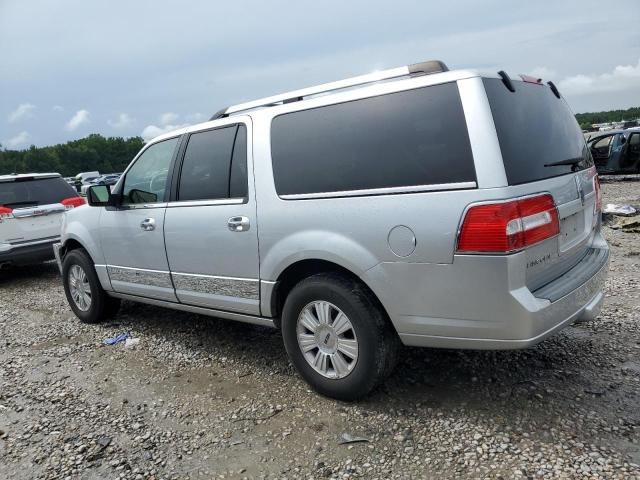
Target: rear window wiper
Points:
(570, 161)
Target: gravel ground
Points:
(205, 398)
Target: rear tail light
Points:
(508, 226)
(73, 202)
(5, 213)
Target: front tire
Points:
(337, 336)
(85, 295)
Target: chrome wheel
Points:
(327, 339)
(79, 287)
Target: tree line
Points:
(587, 119)
(95, 152)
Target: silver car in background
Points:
(416, 206)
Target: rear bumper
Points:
(470, 306)
(35, 252)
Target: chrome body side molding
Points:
(238, 317)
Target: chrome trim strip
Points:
(142, 206)
(239, 317)
(218, 286)
(383, 191)
(28, 243)
(268, 282)
(216, 276)
(204, 203)
(140, 276)
(139, 269)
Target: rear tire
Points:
(86, 297)
(350, 360)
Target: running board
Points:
(238, 317)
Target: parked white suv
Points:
(416, 205)
(31, 208)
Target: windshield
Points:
(535, 129)
(30, 192)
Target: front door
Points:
(210, 229)
(132, 234)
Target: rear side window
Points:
(26, 193)
(411, 138)
(535, 129)
(214, 165)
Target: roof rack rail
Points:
(423, 68)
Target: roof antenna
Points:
(507, 81)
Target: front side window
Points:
(404, 139)
(146, 180)
(214, 165)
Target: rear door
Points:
(631, 156)
(132, 234)
(211, 230)
(544, 150)
(32, 207)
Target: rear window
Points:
(412, 138)
(535, 129)
(25, 193)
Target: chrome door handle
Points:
(238, 224)
(148, 224)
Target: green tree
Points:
(95, 152)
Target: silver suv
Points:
(414, 206)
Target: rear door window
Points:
(535, 129)
(213, 168)
(32, 192)
(405, 139)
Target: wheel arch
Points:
(301, 269)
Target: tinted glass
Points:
(25, 193)
(417, 137)
(535, 128)
(206, 165)
(238, 180)
(146, 180)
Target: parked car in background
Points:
(31, 208)
(84, 177)
(616, 151)
(415, 205)
(109, 179)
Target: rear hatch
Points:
(544, 151)
(31, 207)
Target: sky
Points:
(69, 68)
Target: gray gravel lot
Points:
(206, 398)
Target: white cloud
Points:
(623, 77)
(58, 108)
(542, 72)
(152, 131)
(195, 117)
(123, 121)
(18, 140)
(79, 118)
(168, 118)
(24, 110)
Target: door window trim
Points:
(175, 202)
(170, 173)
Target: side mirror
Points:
(623, 139)
(98, 195)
